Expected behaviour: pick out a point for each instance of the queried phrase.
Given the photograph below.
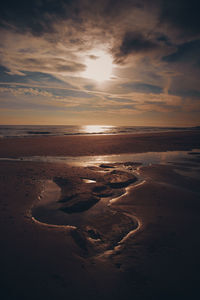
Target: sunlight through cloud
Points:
(98, 66)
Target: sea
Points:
(8, 131)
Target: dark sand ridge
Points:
(159, 262)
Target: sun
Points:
(99, 66)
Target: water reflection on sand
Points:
(144, 158)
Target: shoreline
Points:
(98, 144)
(44, 134)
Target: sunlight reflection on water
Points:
(95, 129)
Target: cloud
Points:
(36, 16)
(41, 56)
(57, 94)
(141, 87)
(44, 46)
(185, 93)
(182, 16)
(186, 52)
(41, 17)
(25, 91)
(133, 43)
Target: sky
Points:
(108, 62)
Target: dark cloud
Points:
(41, 16)
(37, 16)
(134, 42)
(113, 8)
(186, 52)
(164, 39)
(182, 15)
(186, 93)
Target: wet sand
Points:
(86, 261)
(99, 144)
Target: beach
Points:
(99, 144)
(115, 230)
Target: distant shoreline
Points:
(26, 131)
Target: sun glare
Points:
(98, 66)
(96, 128)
